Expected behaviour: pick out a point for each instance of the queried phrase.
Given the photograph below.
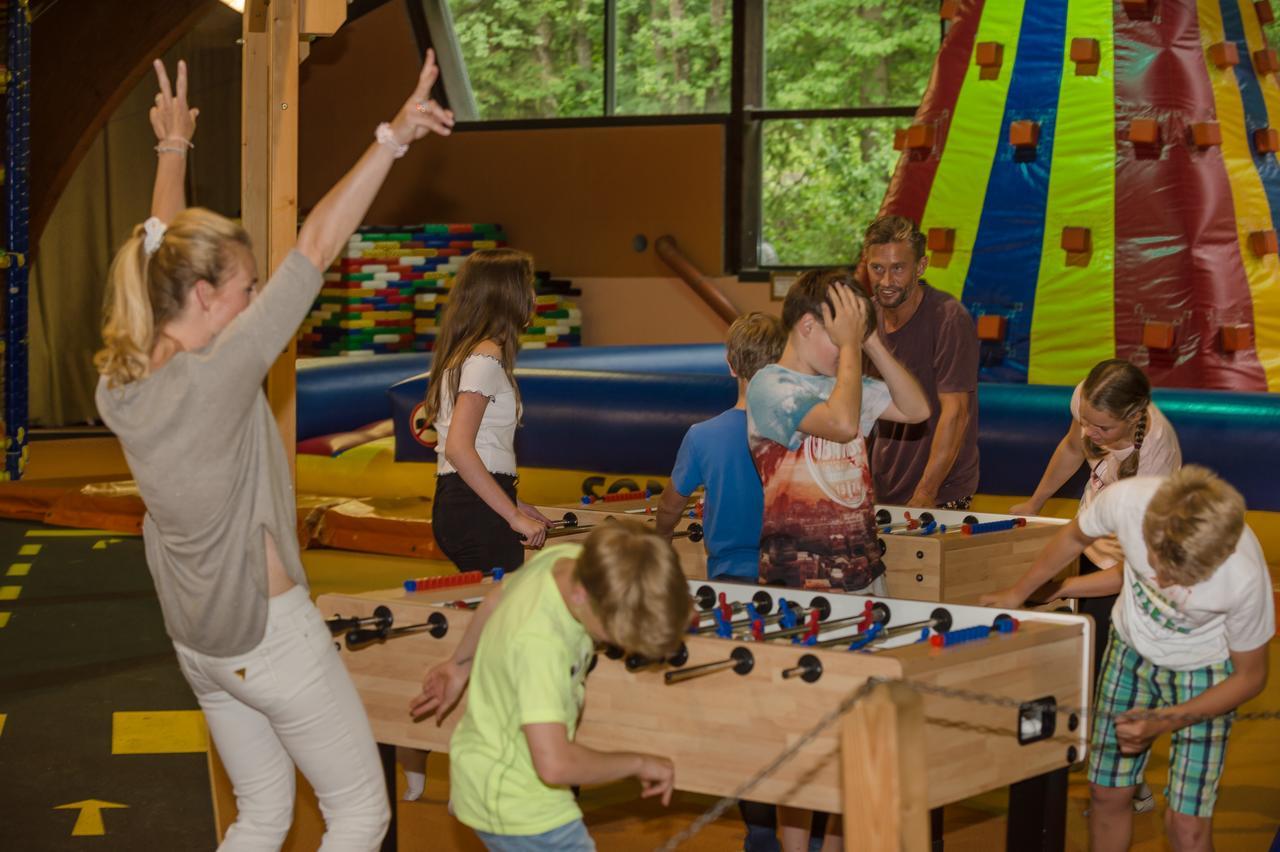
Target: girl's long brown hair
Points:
(491, 299)
(1121, 390)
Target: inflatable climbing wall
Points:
(1098, 178)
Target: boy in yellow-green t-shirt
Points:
(526, 653)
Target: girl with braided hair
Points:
(1118, 432)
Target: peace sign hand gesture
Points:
(420, 115)
(172, 118)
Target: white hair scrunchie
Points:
(154, 234)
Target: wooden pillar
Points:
(269, 154)
(884, 772)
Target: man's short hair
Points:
(812, 289)
(1192, 524)
(633, 580)
(894, 229)
(755, 339)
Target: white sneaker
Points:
(1144, 801)
(414, 784)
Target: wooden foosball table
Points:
(761, 666)
(930, 555)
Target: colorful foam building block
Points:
(1264, 12)
(1266, 61)
(942, 239)
(900, 139)
(1139, 9)
(948, 10)
(386, 292)
(1158, 334)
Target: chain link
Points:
(1005, 701)
(715, 811)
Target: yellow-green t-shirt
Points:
(530, 668)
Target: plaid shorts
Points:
(1195, 761)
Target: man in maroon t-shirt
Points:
(934, 463)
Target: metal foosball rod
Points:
(436, 624)
(939, 620)
(819, 607)
(740, 660)
(339, 624)
(693, 532)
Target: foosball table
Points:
(930, 555)
(1001, 692)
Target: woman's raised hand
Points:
(172, 118)
(420, 115)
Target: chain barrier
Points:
(718, 809)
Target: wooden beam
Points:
(269, 172)
(322, 17)
(884, 772)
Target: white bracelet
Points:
(384, 136)
(170, 149)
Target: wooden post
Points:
(269, 156)
(884, 772)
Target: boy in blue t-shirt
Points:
(714, 453)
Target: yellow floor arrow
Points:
(89, 822)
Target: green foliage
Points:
(822, 179)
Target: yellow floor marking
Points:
(100, 544)
(18, 569)
(89, 822)
(4, 618)
(29, 550)
(3, 716)
(76, 533)
(159, 732)
(10, 593)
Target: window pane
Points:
(536, 59)
(822, 183)
(673, 56)
(830, 54)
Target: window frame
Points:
(743, 124)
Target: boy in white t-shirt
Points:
(1189, 638)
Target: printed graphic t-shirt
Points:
(818, 529)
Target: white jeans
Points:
(290, 701)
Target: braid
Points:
(1129, 466)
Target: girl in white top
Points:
(473, 400)
(1118, 432)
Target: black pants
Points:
(1100, 610)
(473, 536)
